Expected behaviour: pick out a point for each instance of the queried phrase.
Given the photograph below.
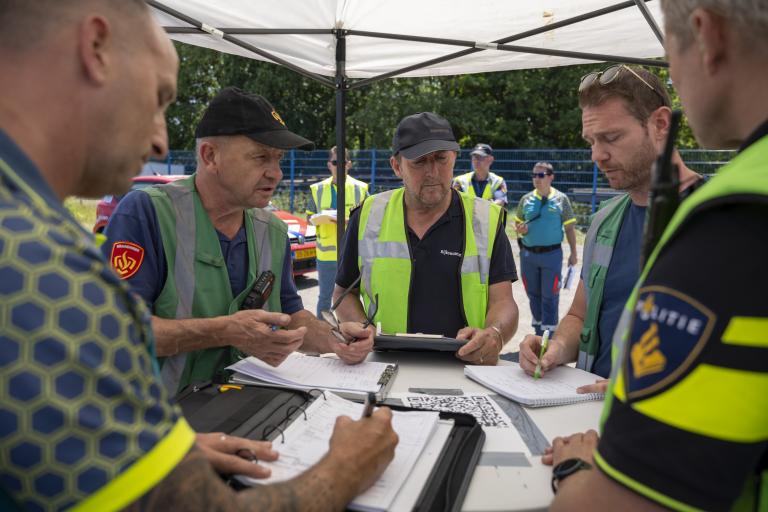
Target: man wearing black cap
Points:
(481, 182)
(200, 244)
(432, 260)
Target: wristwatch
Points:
(567, 468)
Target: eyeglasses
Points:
(331, 318)
(610, 74)
(335, 162)
(540, 174)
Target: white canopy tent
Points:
(347, 44)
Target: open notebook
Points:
(306, 442)
(556, 387)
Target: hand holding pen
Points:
(544, 345)
(538, 356)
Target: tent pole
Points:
(649, 18)
(341, 128)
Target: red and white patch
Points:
(126, 258)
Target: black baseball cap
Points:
(421, 134)
(482, 150)
(236, 112)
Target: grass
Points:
(83, 210)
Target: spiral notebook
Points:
(556, 387)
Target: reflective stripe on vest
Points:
(385, 262)
(193, 255)
(322, 195)
(598, 251)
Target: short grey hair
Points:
(750, 15)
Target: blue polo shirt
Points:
(134, 220)
(80, 404)
(546, 217)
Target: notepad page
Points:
(306, 442)
(315, 372)
(556, 387)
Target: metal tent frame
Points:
(342, 83)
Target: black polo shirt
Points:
(434, 297)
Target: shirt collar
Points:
(25, 169)
(760, 132)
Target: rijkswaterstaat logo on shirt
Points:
(669, 329)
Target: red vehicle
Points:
(301, 234)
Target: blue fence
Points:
(575, 174)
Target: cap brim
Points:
(282, 139)
(482, 153)
(429, 146)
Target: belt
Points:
(542, 248)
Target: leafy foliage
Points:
(514, 109)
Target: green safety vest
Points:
(598, 251)
(384, 258)
(746, 174)
(197, 283)
(465, 182)
(354, 192)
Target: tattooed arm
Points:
(359, 452)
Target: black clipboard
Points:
(257, 412)
(383, 342)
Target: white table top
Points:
(493, 487)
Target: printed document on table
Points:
(307, 441)
(307, 372)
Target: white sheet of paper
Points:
(480, 405)
(307, 441)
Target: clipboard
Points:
(383, 342)
(262, 413)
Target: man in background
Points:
(324, 198)
(542, 216)
(481, 182)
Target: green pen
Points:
(544, 343)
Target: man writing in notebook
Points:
(687, 423)
(81, 398)
(625, 119)
(203, 241)
(432, 260)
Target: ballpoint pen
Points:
(370, 401)
(544, 343)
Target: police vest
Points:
(495, 182)
(197, 283)
(734, 421)
(598, 251)
(384, 258)
(354, 192)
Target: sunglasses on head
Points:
(610, 74)
(540, 174)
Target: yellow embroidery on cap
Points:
(278, 118)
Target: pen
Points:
(247, 454)
(544, 343)
(370, 401)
